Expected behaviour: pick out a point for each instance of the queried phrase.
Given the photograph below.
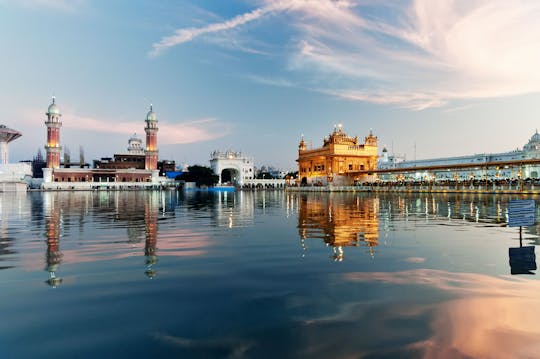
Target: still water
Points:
(264, 275)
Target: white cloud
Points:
(183, 35)
(270, 81)
(421, 55)
(169, 133)
(413, 101)
(199, 130)
(439, 51)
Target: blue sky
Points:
(451, 77)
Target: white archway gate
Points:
(235, 161)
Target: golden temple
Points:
(338, 161)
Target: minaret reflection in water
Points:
(53, 256)
(340, 221)
(138, 212)
(142, 211)
(151, 233)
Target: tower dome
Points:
(151, 115)
(535, 137)
(534, 143)
(135, 145)
(53, 108)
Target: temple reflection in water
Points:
(71, 222)
(338, 222)
(347, 220)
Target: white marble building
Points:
(232, 167)
(531, 150)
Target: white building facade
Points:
(232, 167)
(13, 176)
(531, 150)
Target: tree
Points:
(292, 174)
(264, 175)
(201, 175)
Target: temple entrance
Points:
(230, 176)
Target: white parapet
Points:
(4, 153)
(15, 172)
(47, 175)
(155, 176)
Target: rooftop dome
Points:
(535, 137)
(135, 146)
(151, 115)
(53, 109)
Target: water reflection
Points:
(522, 258)
(474, 208)
(88, 212)
(363, 220)
(422, 275)
(151, 232)
(99, 226)
(223, 209)
(53, 256)
(484, 317)
(339, 223)
(12, 210)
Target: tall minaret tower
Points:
(151, 152)
(53, 147)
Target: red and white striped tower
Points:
(151, 151)
(53, 124)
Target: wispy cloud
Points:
(270, 81)
(184, 35)
(413, 101)
(438, 51)
(184, 132)
(169, 133)
(418, 55)
(63, 5)
(181, 36)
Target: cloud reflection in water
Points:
(491, 317)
